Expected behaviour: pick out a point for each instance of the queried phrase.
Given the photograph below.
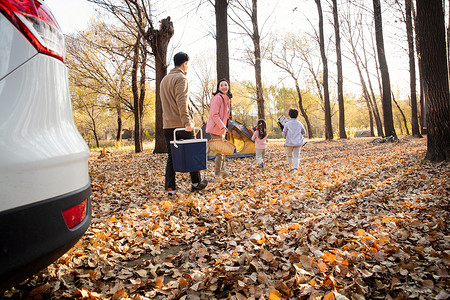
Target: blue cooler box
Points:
(188, 155)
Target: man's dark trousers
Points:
(170, 173)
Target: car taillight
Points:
(74, 215)
(37, 24)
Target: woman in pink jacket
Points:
(219, 113)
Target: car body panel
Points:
(40, 147)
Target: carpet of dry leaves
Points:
(358, 221)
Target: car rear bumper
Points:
(33, 236)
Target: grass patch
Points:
(124, 147)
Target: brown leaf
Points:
(267, 256)
(41, 290)
(322, 266)
(120, 294)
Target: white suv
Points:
(44, 180)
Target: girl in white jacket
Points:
(293, 131)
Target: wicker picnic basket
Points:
(221, 146)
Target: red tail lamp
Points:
(74, 215)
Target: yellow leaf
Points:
(329, 296)
(294, 226)
(166, 205)
(261, 241)
(274, 295)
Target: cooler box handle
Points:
(180, 129)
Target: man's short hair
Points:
(293, 113)
(180, 58)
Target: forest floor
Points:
(359, 220)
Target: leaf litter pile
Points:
(358, 221)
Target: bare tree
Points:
(448, 39)
(201, 94)
(362, 81)
(386, 102)
(99, 62)
(306, 56)
(406, 12)
(430, 31)
(243, 7)
(353, 36)
(401, 112)
(91, 110)
(285, 59)
(366, 97)
(138, 90)
(159, 41)
(132, 20)
(423, 111)
(412, 70)
(337, 35)
(326, 93)
(373, 98)
(136, 15)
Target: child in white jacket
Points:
(293, 131)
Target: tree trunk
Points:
(412, 71)
(159, 41)
(119, 124)
(403, 115)
(222, 54)
(142, 89)
(96, 138)
(135, 91)
(374, 106)
(342, 133)
(328, 125)
(431, 34)
(94, 129)
(372, 98)
(365, 93)
(422, 113)
(256, 43)
(302, 110)
(386, 99)
(448, 41)
(367, 98)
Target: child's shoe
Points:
(294, 170)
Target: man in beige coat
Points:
(177, 113)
